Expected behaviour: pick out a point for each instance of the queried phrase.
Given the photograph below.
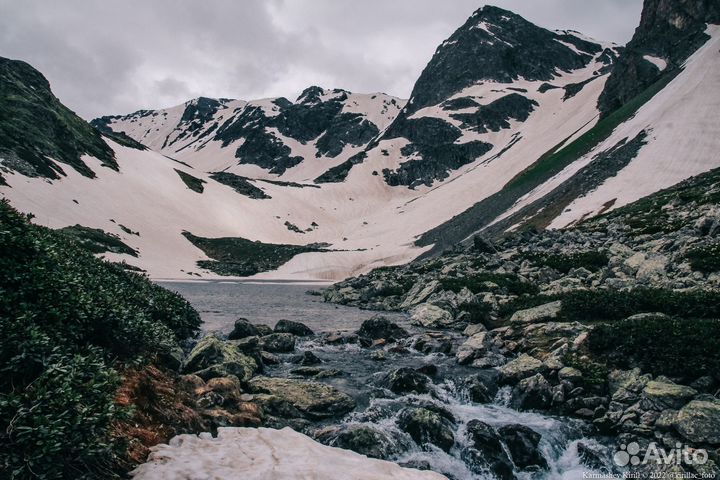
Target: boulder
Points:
(278, 343)
(309, 358)
(406, 380)
(427, 426)
(661, 396)
(316, 372)
(471, 330)
(419, 293)
(532, 393)
(481, 387)
(594, 456)
(433, 342)
(242, 329)
(474, 347)
(522, 443)
(569, 374)
(431, 316)
(296, 328)
(699, 422)
(213, 357)
(486, 451)
(520, 368)
(381, 327)
(311, 399)
(542, 313)
(363, 439)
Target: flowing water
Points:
(220, 303)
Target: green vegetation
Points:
(193, 183)
(483, 282)
(564, 262)
(68, 323)
(704, 258)
(96, 240)
(235, 256)
(677, 347)
(240, 184)
(35, 127)
(594, 373)
(613, 305)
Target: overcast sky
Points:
(117, 56)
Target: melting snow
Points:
(265, 454)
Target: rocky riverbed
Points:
(613, 322)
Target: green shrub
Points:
(564, 262)
(594, 373)
(660, 345)
(704, 258)
(604, 305)
(67, 321)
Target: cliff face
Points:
(669, 32)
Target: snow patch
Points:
(265, 454)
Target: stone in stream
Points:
(481, 387)
(522, 367)
(427, 426)
(419, 293)
(309, 358)
(213, 357)
(242, 329)
(296, 328)
(522, 443)
(406, 380)
(474, 347)
(533, 393)
(311, 400)
(379, 327)
(363, 439)
(431, 316)
(278, 343)
(486, 451)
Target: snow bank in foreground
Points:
(267, 454)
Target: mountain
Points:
(510, 126)
(262, 138)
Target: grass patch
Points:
(235, 256)
(704, 258)
(592, 306)
(96, 240)
(240, 184)
(193, 183)
(68, 323)
(564, 262)
(660, 345)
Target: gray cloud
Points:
(120, 56)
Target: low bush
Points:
(68, 321)
(660, 345)
(564, 262)
(704, 258)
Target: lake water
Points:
(220, 303)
